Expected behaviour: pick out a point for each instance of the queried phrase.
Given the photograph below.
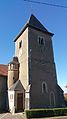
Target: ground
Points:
(22, 116)
(12, 116)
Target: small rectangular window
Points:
(20, 44)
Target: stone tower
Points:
(34, 65)
(37, 67)
(13, 71)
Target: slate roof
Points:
(16, 86)
(3, 70)
(34, 23)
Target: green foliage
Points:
(65, 98)
(38, 113)
(65, 101)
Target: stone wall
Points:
(3, 93)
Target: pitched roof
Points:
(3, 70)
(16, 86)
(60, 88)
(14, 60)
(34, 23)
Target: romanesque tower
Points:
(37, 71)
(37, 67)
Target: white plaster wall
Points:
(27, 101)
(11, 101)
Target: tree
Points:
(65, 97)
(66, 86)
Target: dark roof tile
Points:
(34, 23)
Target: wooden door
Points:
(20, 102)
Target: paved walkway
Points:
(12, 116)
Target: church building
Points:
(32, 79)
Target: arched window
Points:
(52, 99)
(44, 87)
(42, 41)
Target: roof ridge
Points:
(33, 19)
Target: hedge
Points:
(38, 113)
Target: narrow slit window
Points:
(44, 87)
(20, 44)
(42, 41)
(39, 40)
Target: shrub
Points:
(37, 113)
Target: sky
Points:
(13, 16)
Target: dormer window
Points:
(20, 44)
(41, 40)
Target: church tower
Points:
(37, 71)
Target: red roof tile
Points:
(3, 70)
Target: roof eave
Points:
(28, 25)
(21, 32)
(4, 75)
(47, 32)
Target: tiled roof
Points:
(3, 70)
(34, 23)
